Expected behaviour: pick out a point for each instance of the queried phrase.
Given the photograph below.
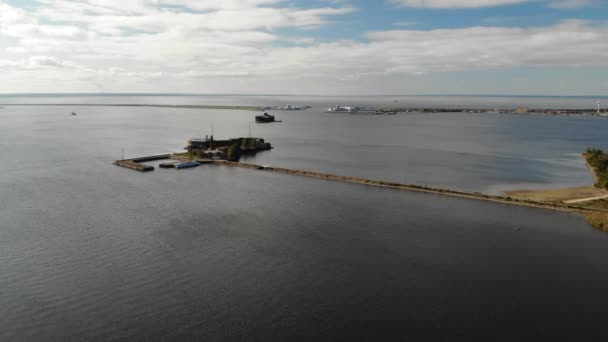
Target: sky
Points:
(312, 47)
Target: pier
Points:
(137, 163)
(151, 158)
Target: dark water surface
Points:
(90, 251)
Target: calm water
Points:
(89, 251)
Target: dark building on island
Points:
(209, 143)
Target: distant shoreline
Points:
(300, 95)
(377, 111)
(130, 105)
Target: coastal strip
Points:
(591, 168)
(596, 216)
(408, 187)
(351, 110)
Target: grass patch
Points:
(597, 204)
(556, 195)
(599, 220)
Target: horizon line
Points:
(297, 95)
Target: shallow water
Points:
(90, 251)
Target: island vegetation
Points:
(598, 162)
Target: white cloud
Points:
(10, 15)
(562, 4)
(36, 62)
(238, 46)
(567, 4)
(455, 3)
(404, 23)
(221, 4)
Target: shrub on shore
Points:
(599, 161)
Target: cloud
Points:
(404, 23)
(36, 62)
(570, 43)
(561, 4)
(222, 4)
(241, 45)
(454, 3)
(568, 4)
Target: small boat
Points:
(264, 118)
(167, 165)
(186, 165)
(73, 113)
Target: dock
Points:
(137, 163)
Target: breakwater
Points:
(419, 188)
(596, 216)
(137, 163)
(130, 164)
(151, 158)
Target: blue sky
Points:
(380, 15)
(546, 47)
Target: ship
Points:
(264, 118)
(341, 109)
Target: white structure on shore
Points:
(343, 109)
(598, 106)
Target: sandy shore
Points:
(559, 195)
